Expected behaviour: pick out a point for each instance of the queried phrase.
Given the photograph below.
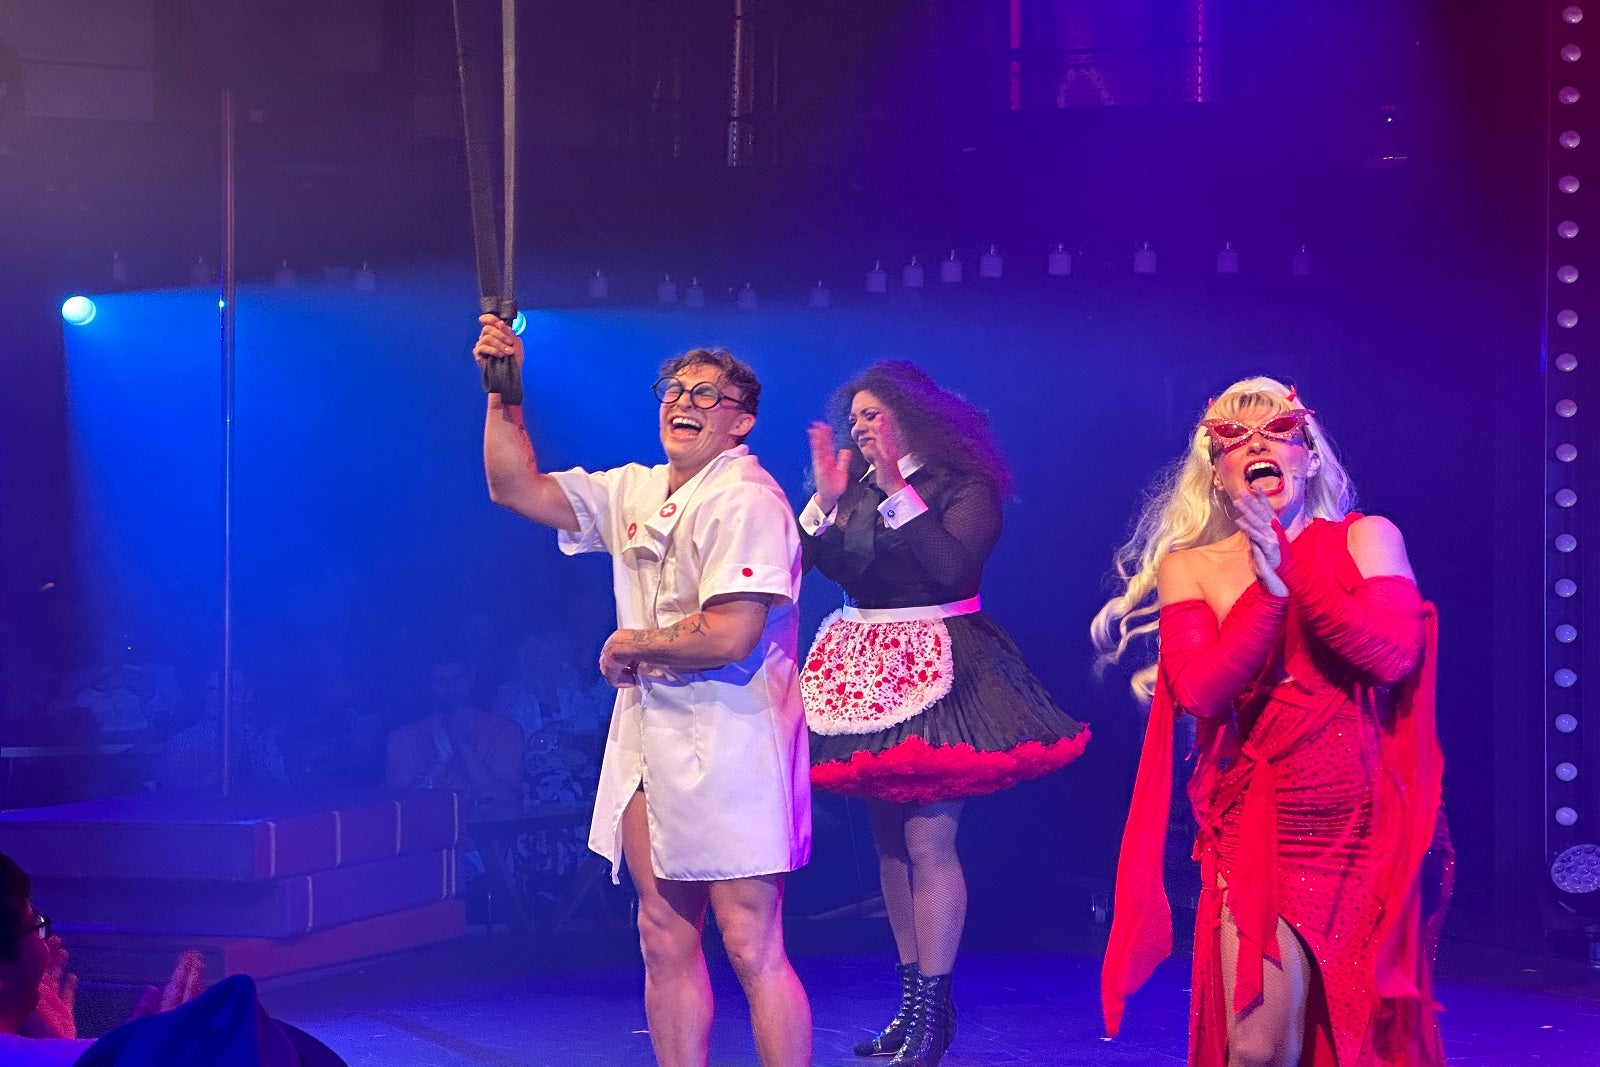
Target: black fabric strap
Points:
(496, 293)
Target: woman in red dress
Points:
(1291, 629)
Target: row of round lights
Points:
(1576, 864)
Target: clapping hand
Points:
(1258, 522)
(187, 982)
(830, 469)
(58, 993)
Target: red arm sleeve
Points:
(1207, 665)
(1374, 624)
(1141, 917)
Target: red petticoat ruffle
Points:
(915, 772)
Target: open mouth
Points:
(684, 427)
(1264, 476)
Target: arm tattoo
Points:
(693, 625)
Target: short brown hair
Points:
(732, 370)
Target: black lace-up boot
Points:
(933, 1024)
(887, 1042)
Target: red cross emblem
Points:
(633, 528)
(669, 510)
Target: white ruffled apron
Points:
(873, 668)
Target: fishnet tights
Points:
(924, 888)
(1269, 1033)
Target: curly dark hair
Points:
(15, 888)
(940, 426)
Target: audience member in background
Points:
(336, 739)
(461, 747)
(553, 683)
(124, 693)
(37, 991)
(560, 774)
(561, 703)
(191, 759)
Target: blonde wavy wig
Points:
(1185, 510)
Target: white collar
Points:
(715, 463)
(909, 464)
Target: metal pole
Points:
(229, 290)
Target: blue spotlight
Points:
(519, 324)
(78, 310)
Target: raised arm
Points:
(515, 481)
(821, 539)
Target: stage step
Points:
(147, 959)
(265, 887)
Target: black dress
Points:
(990, 724)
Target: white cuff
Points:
(902, 507)
(813, 520)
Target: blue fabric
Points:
(223, 1027)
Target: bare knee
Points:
(666, 942)
(1249, 1048)
(754, 946)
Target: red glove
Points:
(1207, 666)
(1374, 624)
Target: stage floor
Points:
(504, 1002)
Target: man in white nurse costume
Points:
(704, 791)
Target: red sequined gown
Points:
(1317, 794)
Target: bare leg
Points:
(1270, 1032)
(938, 885)
(677, 991)
(749, 912)
(894, 874)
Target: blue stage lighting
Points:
(519, 324)
(78, 310)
